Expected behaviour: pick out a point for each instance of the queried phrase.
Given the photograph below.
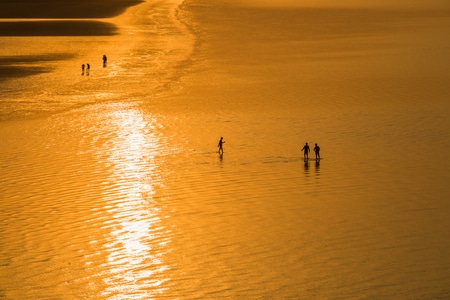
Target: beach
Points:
(111, 186)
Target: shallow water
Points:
(111, 186)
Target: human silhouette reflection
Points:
(306, 165)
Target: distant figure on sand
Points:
(82, 69)
(317, 151)
(220, 145)
(305, 150)
(105, 59)
(88, 68)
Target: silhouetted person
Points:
(105, 59)
(82, 69)
(220, 145)
(317, 151)
(88, 69)
(305, 150)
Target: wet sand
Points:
(27, 22)
(57, 28)
(26, 65)
(64, 8)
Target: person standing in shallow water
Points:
(220, 145)
(317, 151)
(105, 59)
(88, 69)
(82, 69)
(305, 150)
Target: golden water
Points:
(111, 186)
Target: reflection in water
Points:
(306, 166)
(137, 241)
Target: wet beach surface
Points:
(56, 28)
(64, 9)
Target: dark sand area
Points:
(22, 66)
(27, 65)
(57, 28)
(63, 8)
(9, 72)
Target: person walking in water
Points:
(317, 151)
(88, 69)
(220, 145)
(105, 59)
(305, 150)
(82, 69)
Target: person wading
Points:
(305, 150)
(220, 145)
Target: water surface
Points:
(111, 186)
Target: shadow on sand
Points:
(57, 28)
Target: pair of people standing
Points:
(88, 69)
(306, 151)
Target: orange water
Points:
(111, 186)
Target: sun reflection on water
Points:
(137, 242)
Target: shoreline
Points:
(25, 66)
(69, 9)
(24, 20)
(56, 28)
(31, 23)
